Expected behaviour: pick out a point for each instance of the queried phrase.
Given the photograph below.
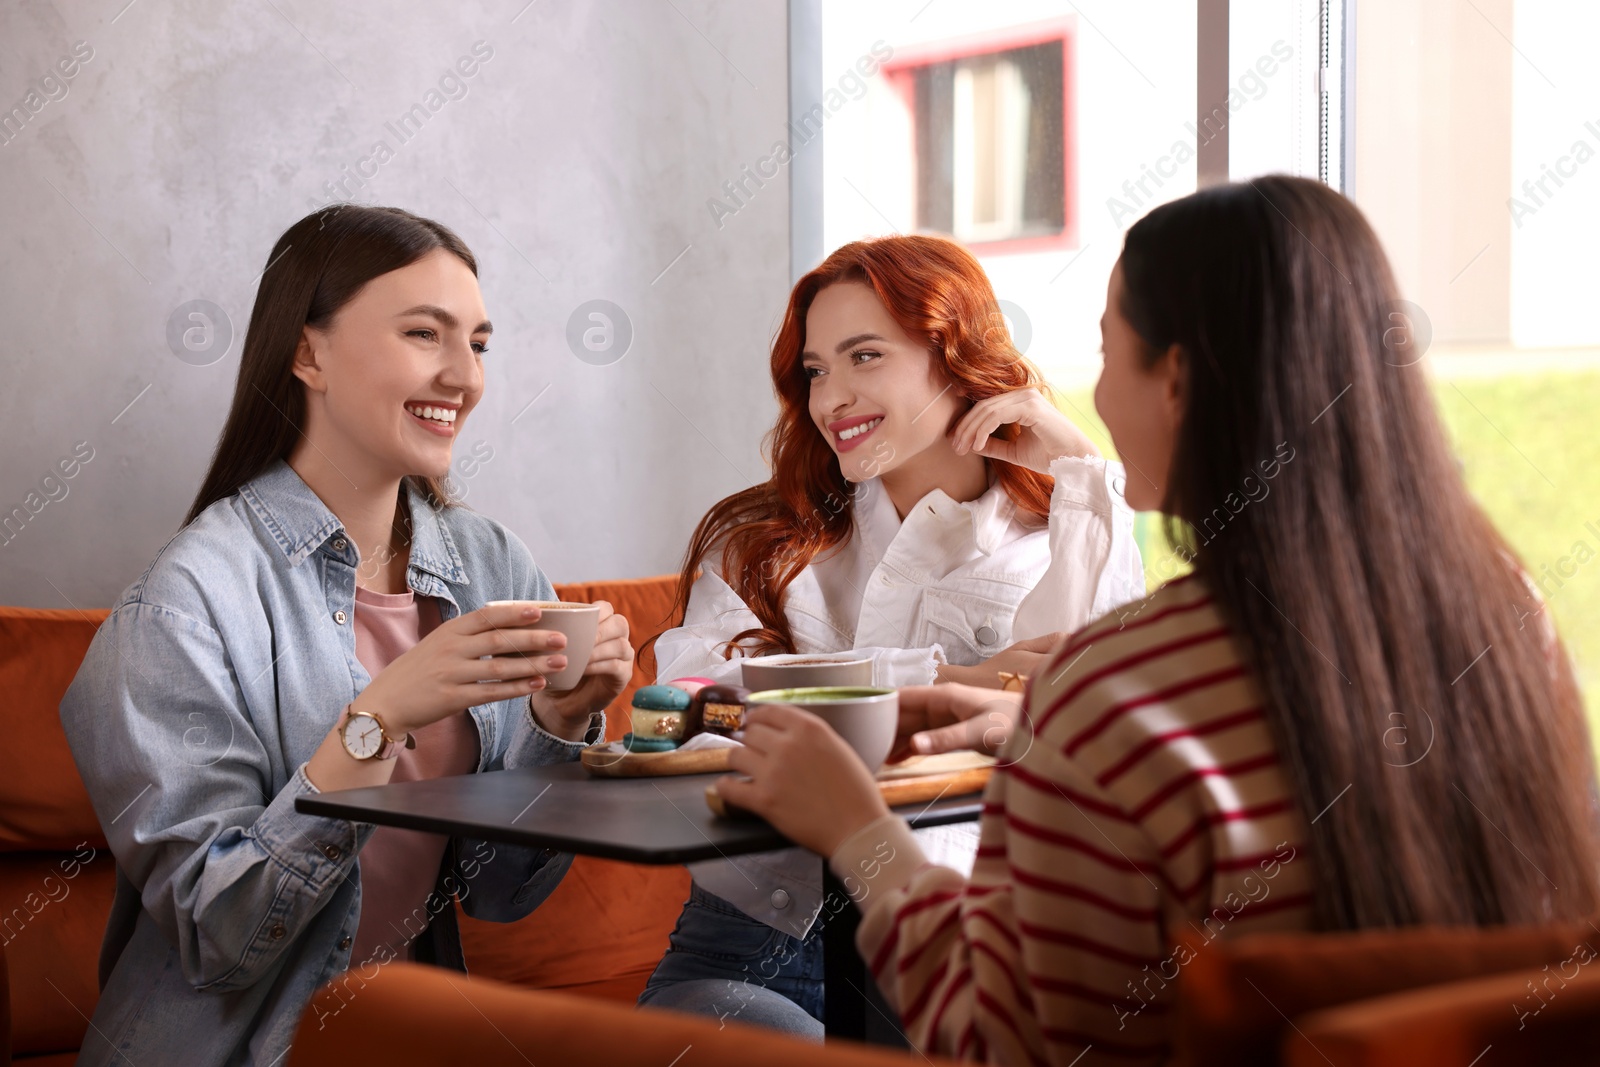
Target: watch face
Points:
(363, 737)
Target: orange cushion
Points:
(606, 923)
(414, 1014)
(1554, 1020)
(43, 804)
(52, 933)
(1225, 1014)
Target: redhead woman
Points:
(1220, 757)
(930, 509)
(319, 623)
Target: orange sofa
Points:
(56, 875)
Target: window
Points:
(991, 146)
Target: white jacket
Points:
(952, 583)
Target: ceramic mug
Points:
(866, 717)
(579, 622)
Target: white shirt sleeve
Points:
(716, 613)
(694, 650)
(1094, 560)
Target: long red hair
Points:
(771, 532)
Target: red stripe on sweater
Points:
(1118, 666)
(1102, 628)
(1008, 935)
(1229, 863)
(1010, 1024)
(1058, 1035)
(1100, 807)
(1087, 896)
(1205, 822)
(916, 1007)
(910, 907)
(1007, 968)
(1085, 944)
(961, 980)
(1183, 781)
(1098, 997)
(1077, 844)
(928, 940)
(880, 959)
(1116, 711)
(1216, 726)
(969, 1039)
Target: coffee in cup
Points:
(792, 671)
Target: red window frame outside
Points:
(898, 72)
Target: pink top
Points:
(399, 867)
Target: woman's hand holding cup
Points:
(445, 672)
(605, 676)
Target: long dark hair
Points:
(937, 292)
(1371, 592)
(316, 267)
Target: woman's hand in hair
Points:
(610, 669)
(1046, 435)
(1024, 658)
(954, 718)
(800, 776)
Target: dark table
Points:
(563, 807)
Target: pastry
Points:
(691, 685)
(718, 709)
(658, 717)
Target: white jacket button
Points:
(986, 635)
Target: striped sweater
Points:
(1145, 798)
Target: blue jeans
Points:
(724, 964)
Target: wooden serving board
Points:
(602, 762)
(918, 780)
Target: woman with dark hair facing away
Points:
(1221, 755)
(930, 510)
(318, 624)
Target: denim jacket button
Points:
(986, 635)
(338, 616)
(331, 851)
(278, 931)
(339, 544)
(780, 898)
(344, 942)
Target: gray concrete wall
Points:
(576, 161)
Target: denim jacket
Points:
(203, 695)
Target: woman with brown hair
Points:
(322, 621)
(1222, 755)
(929, 509)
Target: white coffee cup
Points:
(579, 622)
(788, 671)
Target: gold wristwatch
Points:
(365, 738)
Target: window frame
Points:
(898, 73)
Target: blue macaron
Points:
(661, 698)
